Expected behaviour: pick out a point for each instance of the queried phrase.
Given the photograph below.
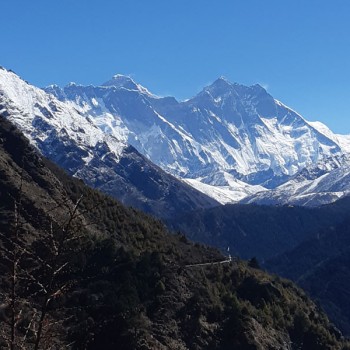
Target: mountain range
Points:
(73, 141)
(229, 143)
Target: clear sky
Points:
(298, 49)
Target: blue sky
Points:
(299, 50)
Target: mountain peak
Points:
(119, 80)
(223, 78)
(219, 87)
(221, 82)
(258, 87)
(71, 84)
(126, 82)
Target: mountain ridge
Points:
(230, 142)
(72, 140)
(227, 128)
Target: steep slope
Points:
(321, 265)
(103, 161)
(227, 129)
(125, 282)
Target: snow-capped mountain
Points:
(103, 160)
(313, 186)
(229, 141)
(51, 124)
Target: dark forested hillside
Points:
(321, 265)
(81, 271)
(258, 231)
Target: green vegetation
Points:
(321, 266)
